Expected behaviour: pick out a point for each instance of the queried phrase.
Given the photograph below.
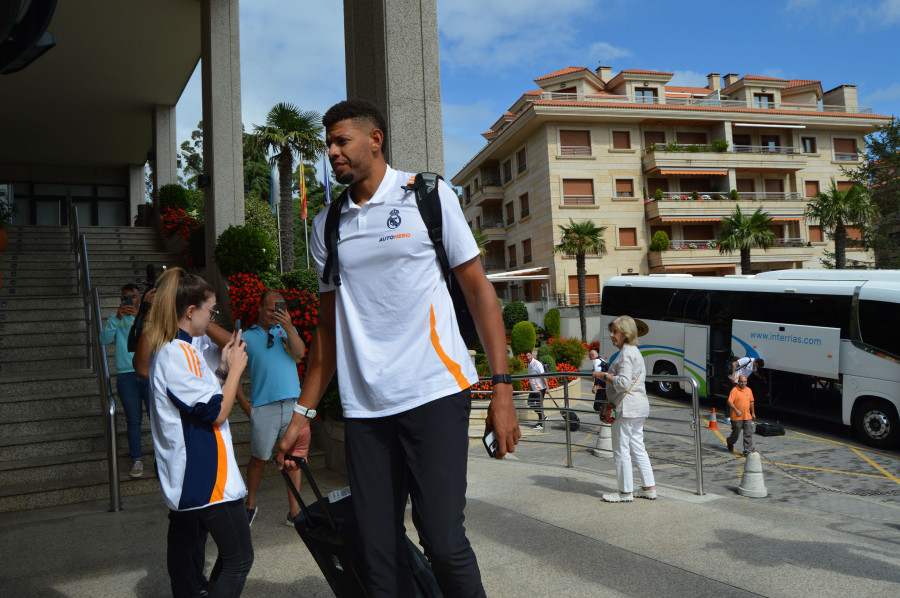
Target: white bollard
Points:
(752, 484)
(604, 441)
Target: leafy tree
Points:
(579, 239)
(288, 133)
(191, 159)
(837, 209)
(880, 174)
(740, 233)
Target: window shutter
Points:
(815, 233)
(627, 237)
(621, 140)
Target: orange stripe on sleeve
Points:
(454, 367)
(218, 492)
(188, 356)
(197, 362)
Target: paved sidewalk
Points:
(538, 531)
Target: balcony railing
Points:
(589, 298)
(680, 244)
(512, 263)
(722, 196)
(524, 213)
(704, 102)
(765, 149)
(847, 157)
(575, 150)
(578, 200)
(492, 265)
(526, 259)
(720, 149)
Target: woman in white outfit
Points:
(625, 390)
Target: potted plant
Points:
(695, 196)
(658, 195)
(733, 195)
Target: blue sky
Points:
(293, 51)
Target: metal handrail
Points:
(694, 422)
(97, 360)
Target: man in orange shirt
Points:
(742, 414)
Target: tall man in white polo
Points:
(403, 370)
(274, 348)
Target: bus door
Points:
(696, 349)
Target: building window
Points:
(510, 214)
(627, 237)
(521, 163)
(844, 185)
(507, 171)
(578, 192)
(854, 235)
(478, 222)
(574, 143)
(763, 100)
(624, 188)
(523, 205)
(511, 250)
(742, 143)
(812, 188)
(746, 186)
(526, 251)
(467, 194)
(845, 149)
(621, 140)
(815, 234)
(808, 145)
(645, 95)
(653, 138)
(591, 289)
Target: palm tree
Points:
(836, 209)
(741, 232)
(579, 239)
(288, 132)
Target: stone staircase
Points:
(52, 444)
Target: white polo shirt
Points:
(398, 344)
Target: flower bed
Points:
(244, 293)
(175, 221)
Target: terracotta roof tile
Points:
(508, 114)
(565, 71)
(801, 83)
(535, 92)
(692, 90)
(761, 78)
(646, 72)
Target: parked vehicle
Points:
(828, 338)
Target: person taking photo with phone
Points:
(132, 391)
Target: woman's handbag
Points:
(608, 410)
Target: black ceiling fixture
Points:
(23, 32)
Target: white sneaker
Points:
(616, 497)
(537, 427)
(648, 494)
(137, 469)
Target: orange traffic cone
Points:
(713, 423)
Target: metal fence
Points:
(693, 424)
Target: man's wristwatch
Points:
(501, 379)
(310, 413)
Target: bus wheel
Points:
(875, 423)
(667, 390)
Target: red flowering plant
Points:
(176, 221)
(244, 293)
(594, 346)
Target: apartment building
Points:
(636, 155)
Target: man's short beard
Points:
(345, 179)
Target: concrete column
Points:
(223, 160)
(135, 190)
(392, 61)
(165, 147)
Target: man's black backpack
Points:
(425, 187)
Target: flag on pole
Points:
(302, 192)
(327, 181)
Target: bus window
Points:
(879, 322)
(689, 306)
(638, 302)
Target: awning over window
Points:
(526, 274)
(693, 172)
(787, 219)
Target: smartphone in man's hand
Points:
(280, 306)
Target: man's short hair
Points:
(760, 363)
(360, 112)
(265, 295)
(131, 287)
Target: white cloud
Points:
(839, 14)
(885, 94)
(688, 79)
(603, 51)
(489, 36)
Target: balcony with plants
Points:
(719, 154)
(716, 203)
(665, 252)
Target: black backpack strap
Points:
(332, 271)
(428, 200)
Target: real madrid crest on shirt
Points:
(393, 220)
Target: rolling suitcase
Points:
(328, 528)
(569, 416)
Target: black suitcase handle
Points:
(304, 467)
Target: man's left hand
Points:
(501, 418)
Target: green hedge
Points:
(660, 241)
(244, 249)
(568, 350)
(174, 196)
(552, 324)
(513, 313)
(301, 280)
(522, 338)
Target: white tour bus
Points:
(830, 340)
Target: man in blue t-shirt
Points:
(274, 348)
